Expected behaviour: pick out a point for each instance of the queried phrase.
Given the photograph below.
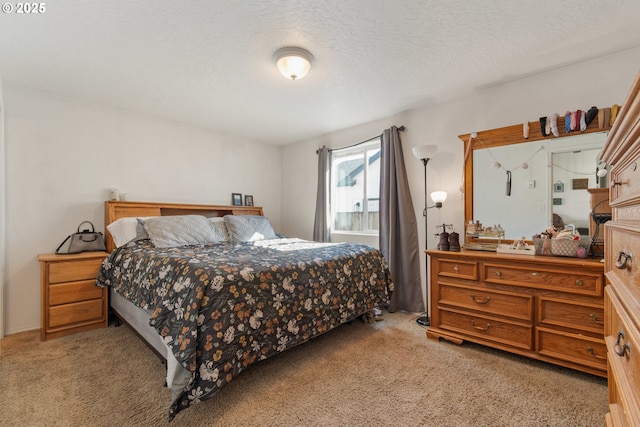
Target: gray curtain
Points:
(321, 226)
(398, 226)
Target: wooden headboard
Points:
(114, 210)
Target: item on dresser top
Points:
(454, 242)
(562, 243)
(87, 240)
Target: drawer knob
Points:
(595, 319)
(455, 268)
(595, 355)
(536, 274)
(480, 300)
(623, 258)
(480, 328)
(621, 350)
(579, 282)
(499, 273)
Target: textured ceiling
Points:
(208, 62)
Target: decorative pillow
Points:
(249, 228)
(219, 228)
(179, 230)
(123, 230)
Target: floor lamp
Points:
(425, 153)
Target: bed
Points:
(213, 304)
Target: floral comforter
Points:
(222, 307)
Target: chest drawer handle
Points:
(456, 269)
(579, 282)
(621, 350)
(595, 319)
(480, 328)
(499, 273)
(595, 355)
(480, 300)
(536, 274)
(621, 261)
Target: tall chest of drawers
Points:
(622, 269)
(546, 308)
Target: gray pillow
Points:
(249, 228)
(179, 230)
(219, 228)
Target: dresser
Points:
(622, 269)
(70, 300)
(546, 308)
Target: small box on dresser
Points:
(622, 272)
(70, 300)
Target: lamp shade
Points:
(425, 151)
(439, 197)
(293, 62)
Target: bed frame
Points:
(114, 210)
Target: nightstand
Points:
(70, 300)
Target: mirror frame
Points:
(508, 135)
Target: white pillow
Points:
(179, 230)
(123, 230)
(249, 228)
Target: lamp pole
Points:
(425, 320)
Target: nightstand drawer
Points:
(74, 270)
(576, 348)
(64, 293)
(570, 314)
(67, 314)
(519, 306)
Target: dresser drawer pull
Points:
(499, 273)
(536, 274)
(579, 282)
(595, 319)
(456, 268)
(621, 261)
(595, 355)
(480, 328)
(621, 350)
(480, 300)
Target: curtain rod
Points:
(400, 128)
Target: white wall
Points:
(63, 155)
(2, 214)
(601, 82)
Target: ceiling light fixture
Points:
(293, 62)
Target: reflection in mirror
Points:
(513, 185)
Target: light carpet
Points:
(382, 374)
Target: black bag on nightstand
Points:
(83, 241)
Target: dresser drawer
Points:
(511, 304)
(63, 293)
(487, 328)
(459, 269)
(623, 344)
(623, 242)
(543, 278)
(626, 181)
(67, 314)
(74, 270)
(570, 347)
(571, 314)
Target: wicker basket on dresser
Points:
(622, 249)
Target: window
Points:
(355, 188)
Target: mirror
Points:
(510, 185)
